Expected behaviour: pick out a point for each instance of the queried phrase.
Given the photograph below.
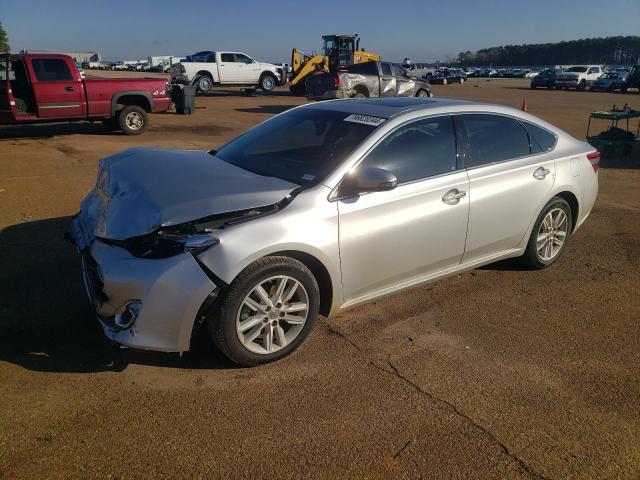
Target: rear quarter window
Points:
(540, 137)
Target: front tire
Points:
(268, 82)
(550, 234)
(423, 94)
(133, 120)
(266, 312)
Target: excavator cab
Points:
(340, 50)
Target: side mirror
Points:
(366, 179)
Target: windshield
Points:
(301, 147)
(577, 69)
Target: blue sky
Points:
(268, 30)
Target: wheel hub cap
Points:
(272, 314)
(552, 234)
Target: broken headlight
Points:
(163, 244)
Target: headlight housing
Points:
(164, 244)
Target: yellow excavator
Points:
(338, 52)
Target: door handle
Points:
(452, 197)
(540, 173)
(69, 89)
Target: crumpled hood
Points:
(142, 189)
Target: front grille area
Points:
(93, 277)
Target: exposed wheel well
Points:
(319, 272)
(361, 89)
(138, 100)
(573, 203)
(267, 72)
(204, 73)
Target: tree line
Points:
(609, 50)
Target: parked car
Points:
(546, 78)
(48, 87)
(369, 79)
(610, 82)
(420, 189)
(445, 76)
(578, 77)
(206, 69)
(633, 80)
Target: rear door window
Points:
(386, 69)
(228, 57)
(421, 149)
(51, 70)
(492, 138)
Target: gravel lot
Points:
(497, 373)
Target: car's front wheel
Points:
(266, 312)
(267, 82)
(550, 234)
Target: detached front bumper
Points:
(170, 293)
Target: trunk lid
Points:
(141, 189)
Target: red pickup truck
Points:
(48, 87)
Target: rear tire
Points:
(359, 95)
(133, 120)
(423, 94)
(204, 84)
(232, 310)
(553, 226)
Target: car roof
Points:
(389, 107)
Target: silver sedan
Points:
(318, 209)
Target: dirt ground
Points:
(497, 373)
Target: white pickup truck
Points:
(578, 76)
(206, 69)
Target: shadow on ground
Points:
(46, 322)
(49, 130)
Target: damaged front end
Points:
(139, 246)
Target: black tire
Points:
(268, 82)
(582, 85)
(422, 93)
(204, 83)
(299, 89)
(222, 324)
(531, 258)
(532, 87)
(133, 120)
(359, 95)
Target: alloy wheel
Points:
(134, 120)
(272, 314)
(552, 234)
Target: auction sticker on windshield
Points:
(364, 119)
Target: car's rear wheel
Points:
(266, 312)
(550, 234)
(422, 93)
(204, 83)
(133, 120)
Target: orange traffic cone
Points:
(525, 108)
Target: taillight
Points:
(594, 158)
(337, 81)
